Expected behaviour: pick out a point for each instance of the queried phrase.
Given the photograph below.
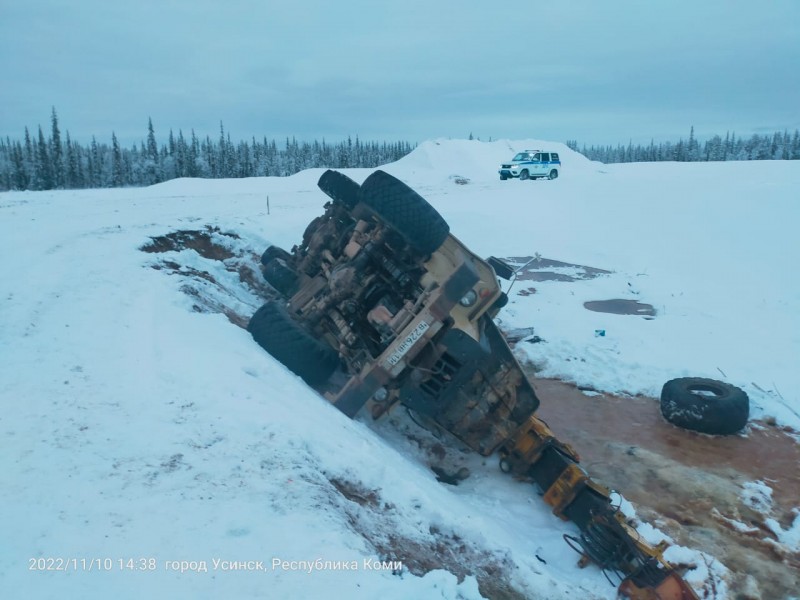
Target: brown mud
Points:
(688, 484)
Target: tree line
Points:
(777, 146)
(42, 162)
(46, 162)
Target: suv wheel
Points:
(403, 209)
(553, 174)
(524, 174)
(289, 343)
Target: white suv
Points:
(531, 164)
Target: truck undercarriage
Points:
(381, 306)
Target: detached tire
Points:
(403, 209)
(294, 347)
(705, 405)
(280, 276)
(339, 187)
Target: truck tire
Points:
(403, 209)
(274, 252)
(553, 174)
(280, 276)
(289, 343)
(524, 174)
(705, 405)
(339, 187)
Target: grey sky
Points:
(598, 72)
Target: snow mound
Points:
(476, 160)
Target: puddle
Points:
(618, 306)
(537, 268)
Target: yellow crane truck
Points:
(380, 305)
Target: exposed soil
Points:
(200, 241)
(208, 293)
(437, 550)
(689, 484)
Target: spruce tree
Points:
(56, 152)
(152, 170)
(117, 165)
(44, 172)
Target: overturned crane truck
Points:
(379, 305)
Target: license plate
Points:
(408, 343)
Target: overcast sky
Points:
(599, 72)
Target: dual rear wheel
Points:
(391, 201)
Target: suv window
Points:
(545, 157)
(536, 156)
(554, 156)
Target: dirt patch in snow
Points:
(431, 550)
(538, 268)
(226, 273)
(690, 485)
(201, 241)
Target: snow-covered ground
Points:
(135, 427)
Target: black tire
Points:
(524, 174)
(503, 177)
(339, 187)
(274, 252)
(553, 174)
(294, 347)
(705, 405)
(280, 276)
(501, 301)
(405, 211)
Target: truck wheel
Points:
(404, 210)
(705, 405)
(294, 347)
(280, 276)
(524, 174)
(274, 252)
(553, 174)
(503, 177)
(339, 187)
